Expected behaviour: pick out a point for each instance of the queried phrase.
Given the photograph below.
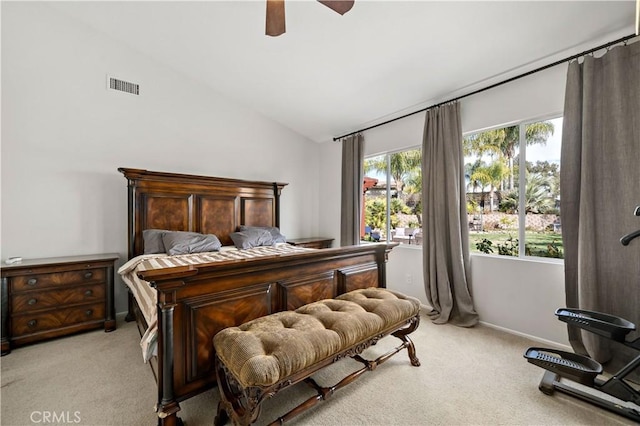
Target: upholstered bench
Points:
(261, 357)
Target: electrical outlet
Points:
(408, 278)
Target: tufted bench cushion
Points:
(269, 349)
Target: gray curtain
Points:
(352, 177)
(600, 186)
(445, 228)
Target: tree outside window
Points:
(503, 218)
(393, 207)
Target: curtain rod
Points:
(509, 80)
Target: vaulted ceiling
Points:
(331, 74)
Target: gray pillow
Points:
(152, 240)
(274, 231)
(189, 242)
(249, 238)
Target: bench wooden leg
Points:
(221, 417)
(240, 405)
(402, 335)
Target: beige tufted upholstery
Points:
(268, 349)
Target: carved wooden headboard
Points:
(210, 205)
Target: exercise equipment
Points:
(588, 372)
(584, 376)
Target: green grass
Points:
(537, 243)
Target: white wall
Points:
(329, 192)
(539, 95)
(517, 295)
(64, 136)
(520, 295)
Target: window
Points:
(503, 218)
(392, 191)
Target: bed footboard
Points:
(195, 302)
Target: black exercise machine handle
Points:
(626, 239)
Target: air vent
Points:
(122, 86)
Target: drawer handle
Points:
(88, 292)
(32, 323)
(89, 312)
(32, 301)
(32, 281)
(88, 275)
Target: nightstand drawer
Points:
(48, 320)
(41, 281)
(314, 242)
(31, 301)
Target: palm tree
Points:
(473, 179)
(490, 176)
(537, 196)
(503, 142)
(402, 164)
(471, 176)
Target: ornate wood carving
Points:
(167, 211)
(306, 289)
(206, 315)
(179, 202)
(358, 276)
(257, 212)
(217, 215)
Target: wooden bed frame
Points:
(195, 302)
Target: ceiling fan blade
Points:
(340, 6)
(275, 24)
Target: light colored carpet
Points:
(474, 376)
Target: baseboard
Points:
(545, 342)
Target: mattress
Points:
(146, 296)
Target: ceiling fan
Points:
(275, 25)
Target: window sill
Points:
(535, 259)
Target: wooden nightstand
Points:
(314, 242)
(52, 297)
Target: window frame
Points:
(387, 155)
(522, 182)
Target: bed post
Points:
(382, 253)
(131, 193)
(110, 320)
(168, 407)
(277, 190)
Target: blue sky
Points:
(548, 152)
(551, 151)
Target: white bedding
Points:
(146, 295)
